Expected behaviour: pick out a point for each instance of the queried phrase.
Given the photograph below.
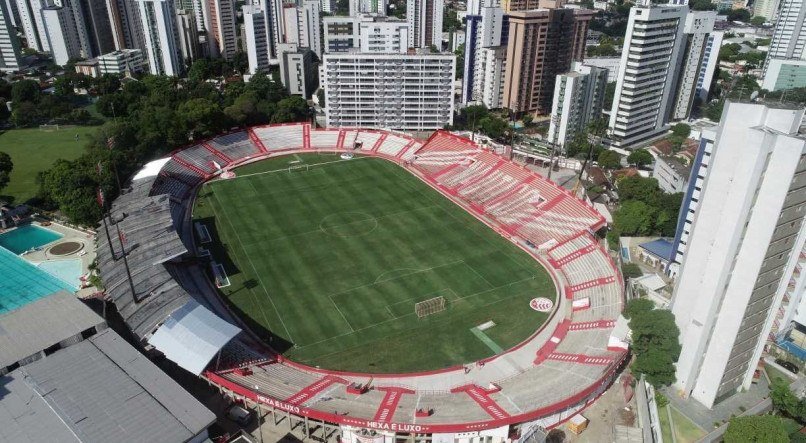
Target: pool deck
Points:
(86, 254)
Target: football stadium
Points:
(368, 286)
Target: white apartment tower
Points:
(699, 60)
(489, 81)
(578, 98)
(484, 34)
(303, 26)
(367, 7)
(9, 44)
(766, 8)
(425, 23)
(743, 247)
(164, 55)
(257, 38)
(63, 34)
(648, 73)
(411, 92)
(382, 35)
(368, 33)
(788, 45)
(32, 23)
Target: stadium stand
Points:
(236, 145)
(541, 382)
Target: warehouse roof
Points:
(98, 390)
(41, 324)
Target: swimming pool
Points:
(27, 237)
(68, 271)
(23, 282)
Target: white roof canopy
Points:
(192, 335)
(151, 168)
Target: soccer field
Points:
(34, 150)
(327, 262)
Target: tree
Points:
(637, 306)
(609, 159)
(631, 270)
(200, 70)
(758, 20)
(639, 188)
(291, 109)
(635, 218)
(752, 429)
(24, 114)
(702, 5)
(654, 342)
(6, 165)
(63, 86)
(785, 401)
(681, 130)
(201, 117)
(640, 157)
(107, 84)
(72, 186)
(739, 15)
(25, 91)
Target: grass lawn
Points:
(665, 426)
(774, 373)
(327, 264)
(685, 430)
(33, 150)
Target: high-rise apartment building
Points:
(648, 74)
(221, 27)
(700, 55)
(257, 38)
(367, 7)
(541, 44)
(742, 248)
(578, 98)
(425, 23)
(94, 17)
(341, 34)
(158, 18)
(486, 29)
(489, 83)
(412, 92)
(367, 33)
(9, 44)
(125, 24)
(63, 34)
(298, 70)
(787, 54)
(188, 34)
(766, 8)
(32, 23)
(303, 26)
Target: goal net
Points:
(430, 306)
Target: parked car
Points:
(789, 366)
(239, 415)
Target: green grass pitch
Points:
(327, 261)
(34, 150)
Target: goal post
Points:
(430, 306)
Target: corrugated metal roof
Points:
(41, 324)
(100, 390)
(192, 335)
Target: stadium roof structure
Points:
(191, 336)
(144, 226)
(98, 390)
(42, 324)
